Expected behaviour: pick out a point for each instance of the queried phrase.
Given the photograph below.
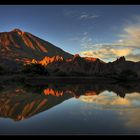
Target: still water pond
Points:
(70, 109)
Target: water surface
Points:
(70, 109)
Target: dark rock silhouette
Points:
(94, 67)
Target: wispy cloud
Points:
(86, 16)
(81, 15)
(86, 41)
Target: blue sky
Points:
(104, 31)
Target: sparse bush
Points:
(2, 70)
(35, 69)
(128, 75)
(61, 73)
(56, 70)
(75, 73)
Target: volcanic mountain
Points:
(19, 45)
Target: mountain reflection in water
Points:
(21, 101)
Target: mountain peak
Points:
(19, 31)
(19, 46)
(16, 30)
(121, 59)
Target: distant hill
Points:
(86, 66)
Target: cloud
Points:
(102, 51)
(121, 52)
(134, 57)
(81, 15)
(86, 16)
(108, 52)
(131, 36)
(86, 41)
(128, 45)
(85, 33)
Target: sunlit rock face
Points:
(84, 66)
(53, 92)
(90, 59)
(46, 60)
(76, 66)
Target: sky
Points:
(104, 31)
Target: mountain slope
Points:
(19, 45)
(76, 66)
(83, 66)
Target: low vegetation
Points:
(35, 69)
(128, 75)
(2, 71)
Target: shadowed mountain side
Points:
(85, 66)
(75, 66)
(10, 65)
(80, 66)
